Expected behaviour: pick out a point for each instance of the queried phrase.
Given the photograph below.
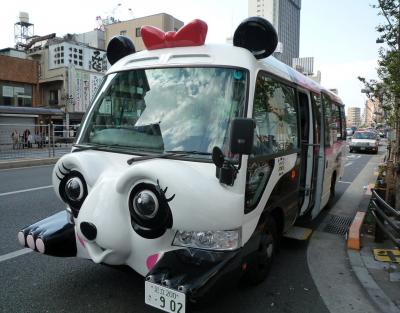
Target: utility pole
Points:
(397, 123)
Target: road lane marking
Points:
(14, 254)
(344, 182)
(24, 190)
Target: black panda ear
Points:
(257, 35)
(119, 47)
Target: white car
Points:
(364, 141)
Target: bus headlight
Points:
(218, 240)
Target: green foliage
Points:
(387, 89)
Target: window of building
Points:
(138, 32)
(53, 97)
(122, 32)
(15, 94)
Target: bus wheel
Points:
(264, 255)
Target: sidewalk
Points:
(380, 279)
(31, 156)
(349, 280)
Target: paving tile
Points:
(394, 277)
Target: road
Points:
(36, 283)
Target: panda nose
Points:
(88, 230)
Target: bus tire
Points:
(268, 246)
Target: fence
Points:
(387, 220)
(19, 141)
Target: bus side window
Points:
(276, 131)
(327, 110)
(342, 119)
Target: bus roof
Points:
(218, 55)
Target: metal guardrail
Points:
(38, 141)
(387, 220)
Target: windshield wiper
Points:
(189, 152)
(167, 154)
(155, 156)
(79, 148)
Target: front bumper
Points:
(363, 148)
(197, 273)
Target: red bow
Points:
(191, 34)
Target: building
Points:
(18, 82)
(12, 52)
(131, 28)
(304, 65)
(372, 113)
(285, 16)
(353, 117)
(95, 39)
(20, 96)
(70, 73)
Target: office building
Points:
(131, 28)
(285, 16)
(353, 117)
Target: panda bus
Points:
(193, 161)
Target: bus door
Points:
(306, 153)
(329, 139)
(319, 155)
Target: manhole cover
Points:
(337, 224)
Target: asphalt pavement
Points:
(36, 283)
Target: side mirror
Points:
(242, 135)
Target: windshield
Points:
(364, 135)
(169, 109)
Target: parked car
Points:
(364, 141)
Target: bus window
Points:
(275, 115)
(342, 122)
(327, 109)
(276, 132)
(316, 100)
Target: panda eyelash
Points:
(61, 172)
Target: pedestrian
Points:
(30, 140)
(27, 132)
(15, 137)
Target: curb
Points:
(378, 297)
(27, 163)
(354, 235)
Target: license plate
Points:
(163, 298)
(362, 148)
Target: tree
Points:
(387, 89)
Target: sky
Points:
(339, 34)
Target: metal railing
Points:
(21, 141)
(387, 220)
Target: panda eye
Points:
(73, 190)
(145, 204)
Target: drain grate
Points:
(337, 224)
